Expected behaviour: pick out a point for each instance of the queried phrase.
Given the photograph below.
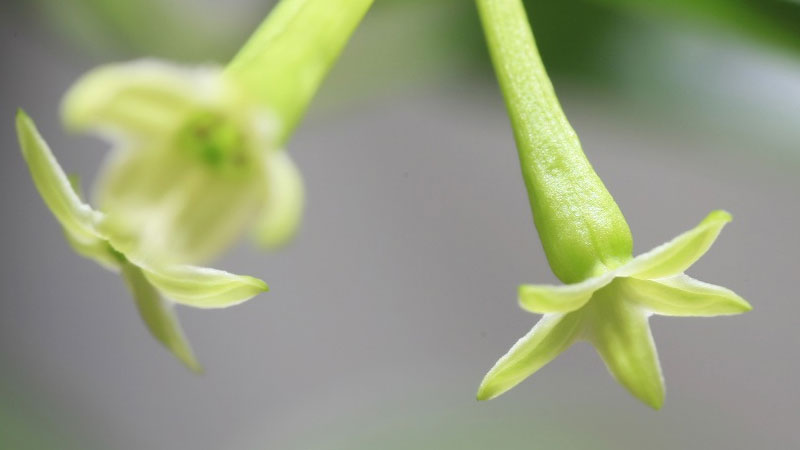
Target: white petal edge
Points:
(684, 296)
(677, 255)
(553, 334)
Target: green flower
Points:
(155, 285)
(610, 295)
(195, 162)
(611, 311)
(198, 158)
(198, 154)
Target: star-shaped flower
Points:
(611, 311)
(154, 284)
(195, 159)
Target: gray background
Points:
(399, 293)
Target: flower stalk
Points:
(283, 64)
(581, 227)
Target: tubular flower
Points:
(155, 285)
(195, 162)
(198, 151)
(609, 295)
(197, 159)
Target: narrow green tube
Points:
(287, 58)
(582, 230)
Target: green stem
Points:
(581, 228)
(288, 56)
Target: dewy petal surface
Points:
(139, 99)
(283, 209)
(677, 255)
(545, 298)
(553, 334)
(159, 316)
(682, 295)
(621, 334)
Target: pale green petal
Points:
(285, 199)
(203, 287)
(683, 296)
(677, 255)
(178, 209)
(140, 98)
(620, 331)
(94, 248)
(553, 334)
(76, 217)
(544, 298)
(159, 316)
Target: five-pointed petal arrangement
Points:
(195, 161)
(611, 311)
(155, 285)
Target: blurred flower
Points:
(195, 160)
(89, 233)
(198, 159)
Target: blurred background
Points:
(399, 292)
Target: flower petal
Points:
(620, 332)
(553, 334)
(179, 209)
(77, 218)
(140, 98)
(283, 208)
(203, 287)
(677, 255)
(543, 298)
(195, 286)
(159, 316)
(682, 295)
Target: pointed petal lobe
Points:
(159, 316)
(544, 299)
(677, 255)
(621, 334)
(203, 287)
(283, 208)
(553, 334)
(682, 295)
(53, 185)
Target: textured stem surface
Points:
(581, 227)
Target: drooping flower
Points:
(609, 295)
(198, 157)
(611, 311)
(195, 161)
(154, 284)
(199, 151)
